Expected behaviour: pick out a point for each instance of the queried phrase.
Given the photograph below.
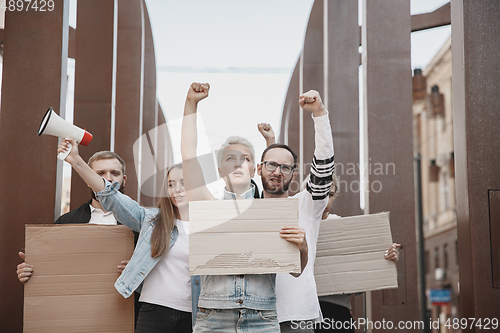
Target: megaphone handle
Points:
(62, 155)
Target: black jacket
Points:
(77, 215)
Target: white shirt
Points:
(169, 283)
(297, 298)
(98, 216)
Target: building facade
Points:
(433, 140)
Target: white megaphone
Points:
(54, 125)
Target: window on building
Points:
(433, 171)
(443, 188)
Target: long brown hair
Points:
(165, 220)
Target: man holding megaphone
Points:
(107, 164)
(111, 167)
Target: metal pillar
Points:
(95, 76)
(129, 88)
(290, 119)
(311, 76)
(343, 100)
(476, 124)
(150, 118)
(389, 145)
(34, 78)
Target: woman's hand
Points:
(24, 270)
(122, 265)
(197, 92)
(65, 145)
(392, 253)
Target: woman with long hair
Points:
(161, 257)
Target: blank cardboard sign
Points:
(242, 237)
(72, 287)
(350, 255)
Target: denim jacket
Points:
(137, 218)
(251, 291)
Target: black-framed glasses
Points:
(285, 168)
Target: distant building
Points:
(433, 139)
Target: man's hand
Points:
(267, 132)
(64, 146)
(392, 253)
(24, 270)
(122, 265)
(297, 235)
(311, 101)
(197, 92)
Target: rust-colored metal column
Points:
(343, 100)
(290, 119)
(389, 146)
(34, 78)
(95, 71)
(163, 153)
(150, 110)
(129, 87)
(311, 76)
(476, 124)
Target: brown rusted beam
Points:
(34, 78)
(72, 43)
(289, 133)
(129, 92)
(437, 18)
(150, 111)
(389, 145)
(476, 120)
(95, 68)
(343, 101)
(312, 78)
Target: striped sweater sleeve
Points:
(323, 166)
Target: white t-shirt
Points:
(98, 216)
(169, 283)
(296, 298)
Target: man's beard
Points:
(280, 189)
(121, 189)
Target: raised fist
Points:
(197, 92)
(311, 101)
(267, 132)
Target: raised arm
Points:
(267, 132)
(93, 180)
(194, 181)
(126, 210)
(322, 166)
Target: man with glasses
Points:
(297, 302)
